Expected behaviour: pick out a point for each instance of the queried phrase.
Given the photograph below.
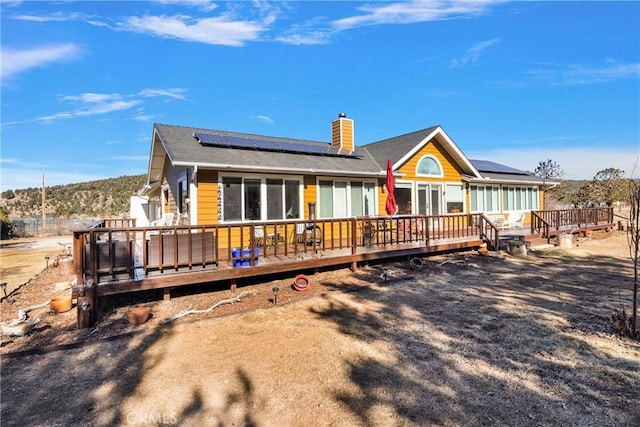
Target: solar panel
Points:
(487, 166)
(238, 142)
(211, 138)
(231, 141)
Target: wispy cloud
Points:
(50, 17)
(307, 38)
(141, 117)
(91, 104)
(265, 119)
(221, 30)
(205, 5)
(17, 61)
(320, 30)
(474, 53)
(412, 12)
(578, 74)
(177, 93)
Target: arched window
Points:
(429, 166)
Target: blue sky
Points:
(511, 82)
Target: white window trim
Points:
(526, 188)
(430, 156)
(485, 186)
(348, 180)
(263, 195)
(464, 195)
(183, 177)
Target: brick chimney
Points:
(342, 133)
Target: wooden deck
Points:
(120, 258)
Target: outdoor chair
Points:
(166, 220)
(258, 235)
(262, 238)
(298, 233)
(514, 220)
(497, 220)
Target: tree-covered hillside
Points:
(106, 197)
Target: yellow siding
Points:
(450, 169)
(310, 193)
(342, 133)
(382, 198)
(347, 134)
(207, 197)
(467, 197)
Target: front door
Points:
(430, 199)
(430, 202)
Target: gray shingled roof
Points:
(183, 149)
(395, 148)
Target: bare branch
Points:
(190, 310)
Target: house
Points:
(280, 206)
(203, 176)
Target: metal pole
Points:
(44, 213)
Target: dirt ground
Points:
(21, 259)
(467, 340)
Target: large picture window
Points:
(519, 198)
(455, 198)
(402, 195)
(259, 199)
(340, 199)
(274, 199)
(232, 199)
(485, 198)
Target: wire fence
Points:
(50, 227)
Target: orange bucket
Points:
(60, 304)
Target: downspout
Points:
(193, 196)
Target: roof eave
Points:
(485, 180)
(257, 168)
(449, 146)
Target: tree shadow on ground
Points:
(78, 386)
(492, 342)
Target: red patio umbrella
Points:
(391, 206)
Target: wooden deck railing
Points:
(115, 223)
(125, 253)
(549, 221)
(539, 225)
(490, 233)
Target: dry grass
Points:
(496, 341)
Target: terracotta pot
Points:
(138, 315)
(66, 266)
(60, 304)
(301, 282)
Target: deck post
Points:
(354, 266)
(354, 237)
(233, 286)
(87, 306)
(166, 294)
(78, 255)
